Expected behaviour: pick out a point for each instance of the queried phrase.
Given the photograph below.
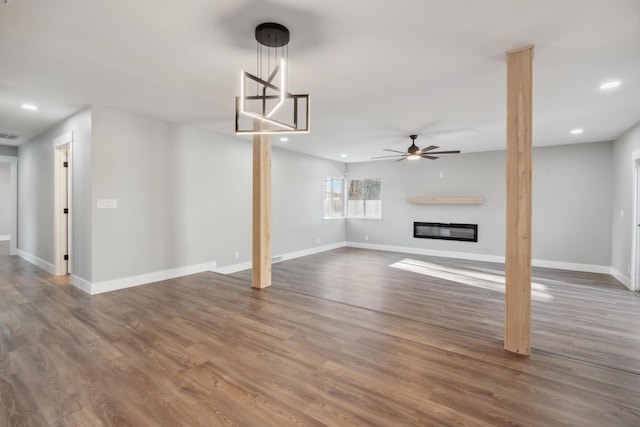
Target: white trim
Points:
(621, 278)
(81, 284)
(13, 182)
(5, 237)
(65, 138)
(128, 282)
(312, 251)
(430, 252)
(589, 268)
(234, 268)
(572, 266)
(49, 268)
(634, 282)
(62, 185)
(142, 279)
(13, 196)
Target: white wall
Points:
(36, 194)
(622, 221)
(184, 197)
(297, 202)
(568, 226)
(5, 201)
(477, 174)
(571, 203)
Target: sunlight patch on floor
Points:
(492, 282)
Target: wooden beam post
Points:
(517, 319)
(261, 259)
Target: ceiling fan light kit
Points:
(414, 152)
(272, 109)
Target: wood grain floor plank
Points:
(341, 338)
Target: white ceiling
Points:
(376, 71)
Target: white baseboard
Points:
(234, 268)
(621, 278)
(481, 257)
(429, 252)
(142, 279)
(5, 237)
(127, 282)
(311, 251)
(49, 268)
(81, 284)
(572, 266)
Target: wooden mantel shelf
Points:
(446, 200)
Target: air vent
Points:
(8, 136)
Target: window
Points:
(365, 200)
(334, 198)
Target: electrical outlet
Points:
(366, 237)
(628, 268)
(237, 255)
(318, 240)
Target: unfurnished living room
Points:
(274, 213)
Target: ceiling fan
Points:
(414, 152)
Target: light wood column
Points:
(261, 259)
(517, 319)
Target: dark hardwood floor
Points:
(347, 337)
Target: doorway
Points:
(62, 205)
(12, 161)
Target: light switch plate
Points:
(106, 203)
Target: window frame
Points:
(348, 199)
(343, 197)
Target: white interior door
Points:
(62, 209)
(65, 208)
(635, 265)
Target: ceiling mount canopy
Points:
(265, 105)
(271, 34)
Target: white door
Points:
(63, 214)
(65, 210)
(635, 265)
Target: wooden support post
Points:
(517, 319)
(261, 260)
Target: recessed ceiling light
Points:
(576, 131)
(344, 156)
(29, 107)
(610, 85)
(284, 139)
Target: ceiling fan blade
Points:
(424, 156)
(394, 151)
(429, 148)
(386, 157)
(401, 159)
(446, 152)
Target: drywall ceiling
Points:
(376, 71)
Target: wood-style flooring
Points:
(346, 337)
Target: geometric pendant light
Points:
(265, 106)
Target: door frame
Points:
(63, 186)
(13, 189)
(635, 233)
